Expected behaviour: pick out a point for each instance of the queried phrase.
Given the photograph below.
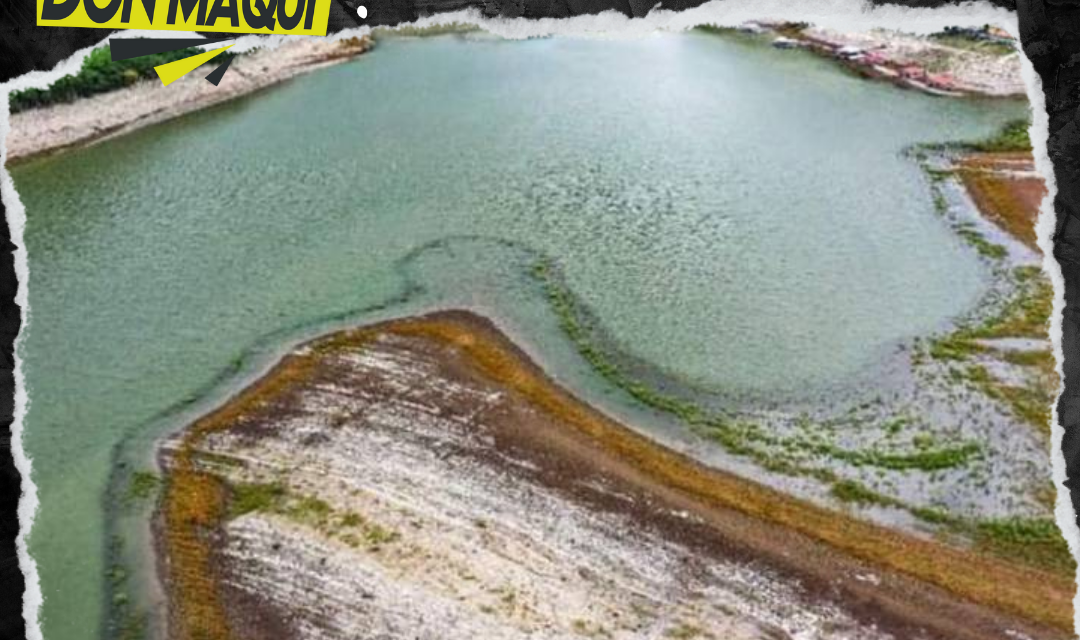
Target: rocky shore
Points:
(422, 478)
(48, 129)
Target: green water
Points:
(739, 217)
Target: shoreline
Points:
(40, 132)
(972, 404)
(919, 63)
(720, 498)
(259, 380)
(139, 124)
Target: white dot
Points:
(361, 11)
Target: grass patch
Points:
(308, 510)
(351, 519)
(853, 492)
(259, 497)
(954, 347)
(1037, 541)
(1013, 136)
(1043, 360)
(1030, 404)
(985, 248)
(1034, 541)
(376, 535)
(1025, 315)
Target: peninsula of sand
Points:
(47, 129)
(422, 478)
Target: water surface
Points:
(739, 217)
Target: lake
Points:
(740, 218)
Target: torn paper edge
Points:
(843, 15)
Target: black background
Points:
(1050, 34)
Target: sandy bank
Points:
(48, 129)
(423, 479)
(1007, 189)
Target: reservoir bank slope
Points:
(39, 131)
(422, 478)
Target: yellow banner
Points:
(294, 17)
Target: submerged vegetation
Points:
(141, 486)
(744, 437)
(1024, 315)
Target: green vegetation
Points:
(125, 622)
(273, 497)
(1012, 137)
(858, 493)
(351, 519)
(985, 248)
(854, 492)
(1036, 541)
(966, 230)
(376, 535)
(741, 437)
(99, 74)
(737, 438)
(1031, 403)
(896, 425)
(715, 28)
(141, 485)
(262, 497)
(1025, 315)
(308, 510)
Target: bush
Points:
(99, 74)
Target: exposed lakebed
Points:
(740, 222)
(422, 478)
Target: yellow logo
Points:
(292, 17)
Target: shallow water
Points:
(737, 216)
